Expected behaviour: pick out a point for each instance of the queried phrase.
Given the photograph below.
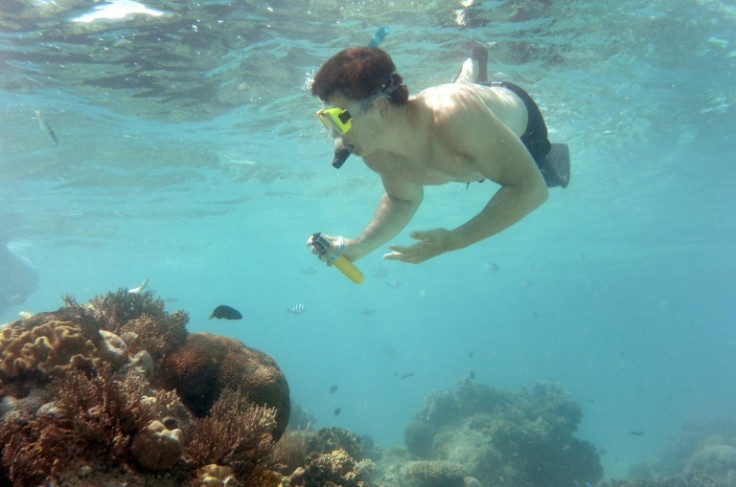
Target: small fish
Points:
(309, 270)
(636, 433)
(337, 412)
(406, 375)
(226, 312)
(491, 266)
(44, 125)
(297, 309)
(369, 311)
(140, 288)
(394, 283)
(471, 354)
(472, 374)
(333, 389)
(24, 315)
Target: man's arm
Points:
(395, 210)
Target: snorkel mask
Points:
(339, 120)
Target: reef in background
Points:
(117, 392)
(702, 455)
(478, 435)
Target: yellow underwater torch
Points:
(321, 243)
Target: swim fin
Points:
(555, 167)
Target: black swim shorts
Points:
(535, 137)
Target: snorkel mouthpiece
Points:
(341, 154)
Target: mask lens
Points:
(337, 119)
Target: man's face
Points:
(348, 120)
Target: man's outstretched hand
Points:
(431, 244)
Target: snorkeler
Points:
(466, 131)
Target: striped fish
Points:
(297, 309)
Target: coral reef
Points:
(334, 469)
(157, 447)
(525, 438)
(703, 453)
(141, 320)
(207, 364)
(236, 433)
(77, 409)
(433, 473)
(94, 415)
(50, 344)
(697, 480)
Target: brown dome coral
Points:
(207, 364)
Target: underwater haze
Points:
(185, 150)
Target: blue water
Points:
(621, 287)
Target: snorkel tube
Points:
(341, 153)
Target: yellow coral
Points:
(53, 347)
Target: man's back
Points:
(441, 117)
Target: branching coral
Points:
(155, 330)
(98, 413)
(159, 336)
(236, 433)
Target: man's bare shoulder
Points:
(473, 101)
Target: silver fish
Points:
(140, 288)
(44, 125)
(297, 309)
(394, 283)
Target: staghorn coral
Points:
(236, 434)
(434, 473)
(206, 364)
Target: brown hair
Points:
(358, 73)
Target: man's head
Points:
(358, 73)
